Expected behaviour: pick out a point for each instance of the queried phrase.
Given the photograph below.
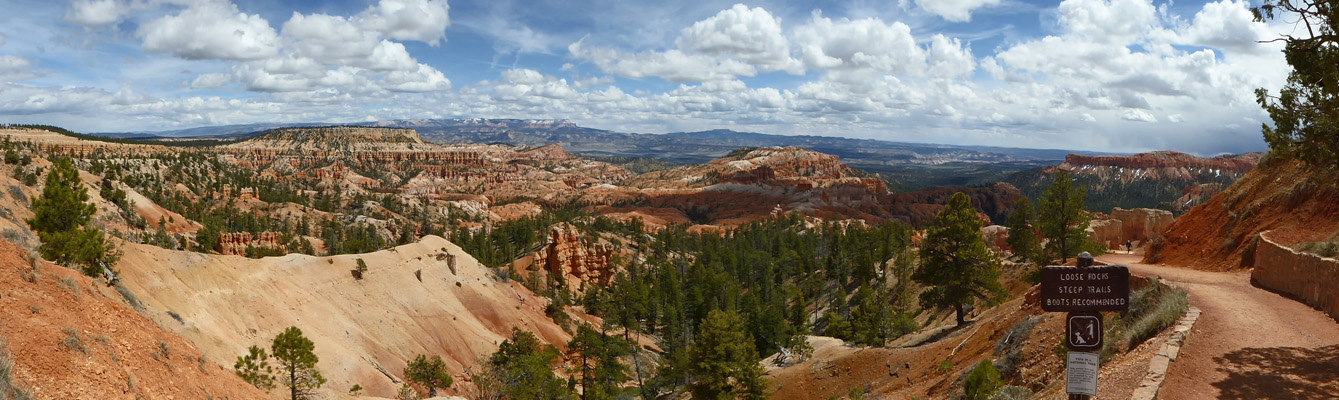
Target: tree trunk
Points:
(961, 315)
(293, 381)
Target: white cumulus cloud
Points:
(211, 30)
(752, 35)
(864, 44)
(422, 20)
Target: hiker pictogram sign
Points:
(1083, 331)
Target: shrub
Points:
(1012, 393)
(1010, 347)
(8, 388)
(72, 340)
(69, 283)
(130, 298)
(1152, 309)
(982, 382)
(1323, 249)
(166, 351)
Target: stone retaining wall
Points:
(1309, 278)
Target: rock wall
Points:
(1310, 278)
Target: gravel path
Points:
(1249, 343)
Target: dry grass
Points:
(72, 340)
(8, 388)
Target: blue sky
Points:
(1104, 75)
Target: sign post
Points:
(1084, 292)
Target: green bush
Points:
(982, 382)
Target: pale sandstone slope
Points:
(227, 303)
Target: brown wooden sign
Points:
(1103, 288)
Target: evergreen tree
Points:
(1062, 219)
(1022, 231)
(955, 261)
(1306, 111)
(870, 318)
(724, 361)
(59, 216)
(431, 373)
(524, 367)
(254, 368)
(297, 363)
(597, 365)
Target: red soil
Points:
(1300, 204)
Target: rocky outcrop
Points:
(996, 236)
(1310, 278)
(1107, 232)
(1159, 165)
(1165, 179)
(1142, 224)
(573, 260)
(236, 243)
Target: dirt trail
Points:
(1249, 343)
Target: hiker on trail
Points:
(1129, 247)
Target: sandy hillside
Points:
(70, 337)
(360, 328)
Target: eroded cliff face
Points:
(236, 243)
(1164, 179)
(1158, 165)
(574, 260)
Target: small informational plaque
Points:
(1081, 373)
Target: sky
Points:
(1099, 75)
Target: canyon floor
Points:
(1249, 342)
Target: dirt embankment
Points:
(70, 337)
(1299, 204)
(428, 298)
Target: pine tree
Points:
(724, 362)
(431, 373)
(597, 365)
(1023, 231)
(1062, 219)
(1306, 123)
(955, 261)
(524, 367)
(254, 368)
(59, 216)
(297, 363)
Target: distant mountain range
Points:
(910, 166)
